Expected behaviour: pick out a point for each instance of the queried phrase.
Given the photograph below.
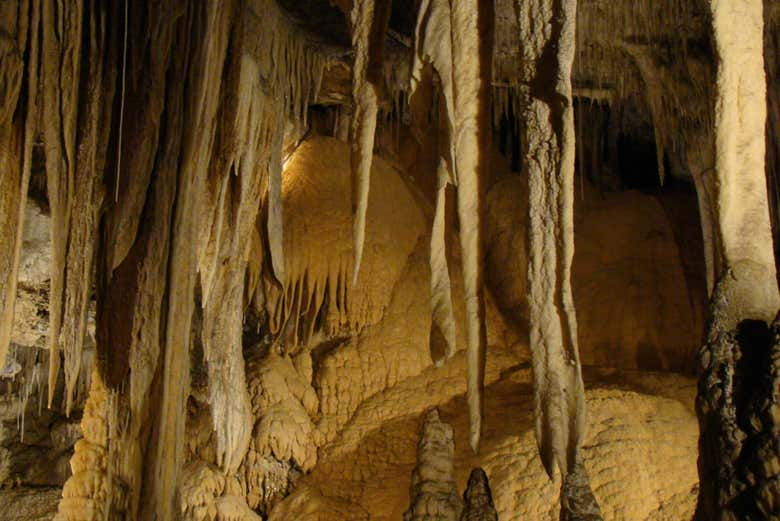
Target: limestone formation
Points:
(434, 494)
(20, 29)
(369, 21)
(433, 491)
(549, 138)
(248, 246)
(738, 411)
(477, 499)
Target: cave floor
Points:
(639, 448)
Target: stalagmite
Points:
(17, 129)
(434, 492)
(93, 492)
(549, 140)
(478, 499)
(737, 463)
(369, 19)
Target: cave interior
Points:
(430, 260)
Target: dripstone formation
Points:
(250, 246)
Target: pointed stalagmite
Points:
(369, 20)
(478, 499)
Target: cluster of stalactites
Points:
(185, 193)
(19, 37)
(454, 40)
(83, 79)
(293, 69)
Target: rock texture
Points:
(20, 30)
(548, 138)
(738, 409)
(433, 493)
(639, 450)
(231, 232)
(478, 499)
(745, 296)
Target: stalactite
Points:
(472, 49)
(150, 41)
(145, 309)
(61, 65)
(772, 66)
(443, 319)
(548, 139)
(275, 221)
(17, 129)
(87, 197)
(654, 92)
(433, 46)
(245, 137)
(132, 295)
(318, 253)
(741, 201)
(369, 21)
(457, 41)
(78, 94)
(209, 37)
(292, 67)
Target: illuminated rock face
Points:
(268, 259)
